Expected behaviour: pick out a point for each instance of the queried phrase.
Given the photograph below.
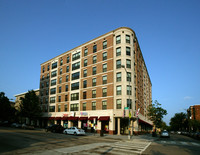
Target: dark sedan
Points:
(55, 128)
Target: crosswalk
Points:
(118, 148)
(178, 143)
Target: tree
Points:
(30, 106)
(156, 113)
(6, 111)
(179, 122)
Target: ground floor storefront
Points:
(98, 122)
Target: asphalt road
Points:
(175, 145)
(19, 141)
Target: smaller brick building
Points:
(194, 112)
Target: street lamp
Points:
(129, 136)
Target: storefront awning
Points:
(83, 118)
(104, 118)
(64, 118)
(92, 118)
(72, 118)
(51, 118)
(57, 118)
(141, 121)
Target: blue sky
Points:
(34, 31)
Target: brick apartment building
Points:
(93, 85)
(194, 112)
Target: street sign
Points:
(129, 114)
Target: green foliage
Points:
(179, 122)
(30, 106)
(156, 113)
(194, 125)
(6, 111)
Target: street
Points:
(19, 141)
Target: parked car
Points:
(55, 128)
(74, 131)
(25, 126)
(16, 125)
(165, 133)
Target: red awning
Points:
(73, 118)
(104, 118)
(64, 118)
(58, 118)
(92, 118)
(51, 118)
(141, 121)
(83, 118)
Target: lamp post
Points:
(129, 136)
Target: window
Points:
(48, 68)
(85, 84)
(85, 62)
(67, 69)
(66, 97)
(94, 70)
(119, 90)
(84, 95)
(94, 59)
(60, 80)
(129, 103)
(94, 82)
(128, 51)
(46, 100)
(42, 85)
(60, 71)
(93, 93)
(47, 84)
(52, 99)
(74, 107)
(59, 98)
(67, 78)
(75, 86)
(68, 59)
(42, 77)
(76, 66)
(43, 70)
(129, 90)
(85, 73)
(74, 96)
(104, 92)
(86, 52)
(53, 82)
(118, 51)
(93, 105)
(94, 48)
(119, 103)
(54, 65)
(104, 44)
(66, 88)
(104, 67)
(66, 107)
(118, 63)
(41, 93)
(104, 79)
(75, 76)
(75, 56)
(104, 105)
(127, 39)
(47, 92)
(118, 39)
(53, 91)
(128, 78)
(54, 73)
(105, 56)
(61, 62)
(60, 89)
(84, 106)
(48, 76)
(52, 109)
(119, 76)
(128, 63)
